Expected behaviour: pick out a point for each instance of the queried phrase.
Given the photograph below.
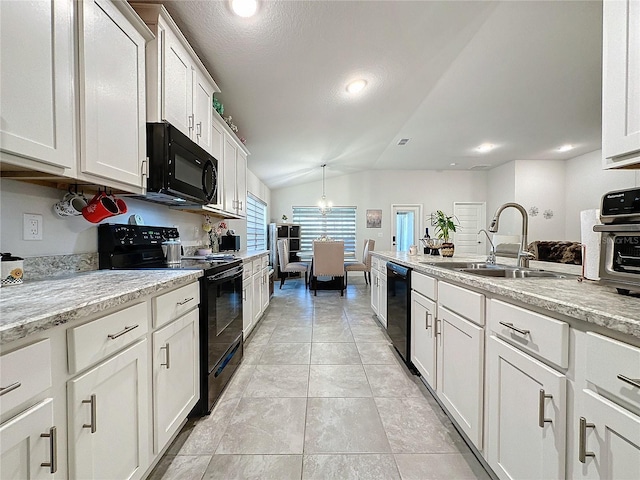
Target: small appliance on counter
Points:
(620, 243)
(230, 242)
(11, 270)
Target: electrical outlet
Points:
(32, 226)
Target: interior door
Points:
(472, 217)
(406, 227)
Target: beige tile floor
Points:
(321, 394)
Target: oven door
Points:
(620, 257)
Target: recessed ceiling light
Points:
(453, 164)
(244, 8)
(356, 86)
(565, 148)
(485, 147)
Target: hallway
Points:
(321, 394)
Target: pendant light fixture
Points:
(323, 205)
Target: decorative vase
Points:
(447, 249)
(214, 246)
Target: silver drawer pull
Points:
(516, 329)
(10, 388)
(113, 336)
(631, 381)
(186, 300)
(582, 446)
(426, 319)
(92, 424)
(167, 361)
(53, 450)
(541, 399)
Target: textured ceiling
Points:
(525, 76)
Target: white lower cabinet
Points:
(175, 376)
(108, 418)
(375, 291)
(247, 306)
(256, 300)
(608, 440)
(264, 290)
(255, 293)
(28, 444)
(423, 337)
(460, 372)
(526, 415)
(382, 296)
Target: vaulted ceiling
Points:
(447, 75)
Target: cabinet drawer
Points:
(424, 285)
(173, 304)
(614, 367)
(93, 341)
(541, 335)
(247, 270)
(265, 261)
(257, 266)
(377, 262)
(460, 300)
(24, 373)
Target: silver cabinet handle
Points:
(92, 424)
(10, 388)
(167, 359)
(113, 336)
(582, 446)
(426, 319)
(541, 419)
(186, 300)
(516, 329)
(631, 381)
(244, 294)
(436, 330)
(199, 129)
(240, 203)
(53, 450)
(190, 119)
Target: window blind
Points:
(339, 224)
(256, 223)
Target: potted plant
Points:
(444, 226)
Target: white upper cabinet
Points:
(179, 88)
(112, 91)
(36, 84)
(621, 84)
(234, 177)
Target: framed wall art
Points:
(374, 218)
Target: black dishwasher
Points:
(399, 309)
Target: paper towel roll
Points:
(591, 241)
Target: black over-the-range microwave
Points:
(180, 171)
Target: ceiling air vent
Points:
(482, 166)
(403, 141)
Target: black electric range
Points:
(138, 247)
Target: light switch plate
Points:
(32, 226)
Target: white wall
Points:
(586, 182)
(379, 189)
(501, 188)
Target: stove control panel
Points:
(111, 236)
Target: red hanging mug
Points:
(100, 207)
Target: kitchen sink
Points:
(484, 269)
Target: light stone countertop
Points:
(587, 300)
(250, 255)
(38, 305)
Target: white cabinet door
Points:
(241, 182)
(375, 289)
(229, 172)
(217, 150)
(264, 290)
(460, 371)
(526, 415)
(177, 84)
(423, 337)
(611, 440)
(382, 299)
(108, 409)
(23, 449)
(256, 300)
(621, 83)
(112, 93)
(176, 388)
(202, 111)
(36, 81)
(247, 306)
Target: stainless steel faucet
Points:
(523, 255)
(491, 259)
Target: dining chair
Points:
(328, 261)
(286, 266)
(364, 266)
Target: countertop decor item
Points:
(219, 107)
(214, 232)
(12, 270)
(445, 224)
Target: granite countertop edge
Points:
(587, 300)
(20, 316)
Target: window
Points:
(339, 224)
(256, 223)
